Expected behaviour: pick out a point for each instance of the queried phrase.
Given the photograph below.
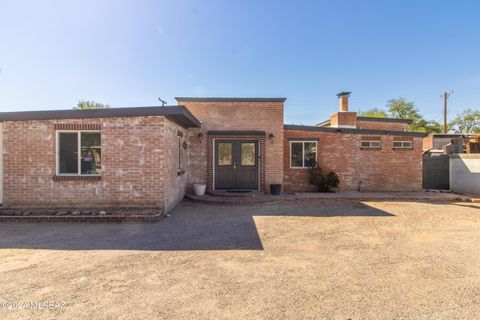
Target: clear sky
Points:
(128, 53)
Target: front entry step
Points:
(257, 199)
(236, 193)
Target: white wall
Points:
(1, 162)
(465, 173)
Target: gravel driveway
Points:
(317, 259)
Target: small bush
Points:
(324, 183)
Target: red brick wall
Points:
(237, 115)
(136, 165)
(382, 125)
(175, 181)
(339, 119)
(384, 169)
(428, 142)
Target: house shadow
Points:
(190, 226)
(466, 205)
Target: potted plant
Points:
(199, 189)
(275, 189)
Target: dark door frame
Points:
(258, 158)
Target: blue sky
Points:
(128, 53)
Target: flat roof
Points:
(354, 131)
(407, 121)
(453, 135)
(373, 119)
(230, 99)
(177, 114)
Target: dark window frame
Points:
(79, 152)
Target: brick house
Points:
(151, 156)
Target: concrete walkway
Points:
(382, 195)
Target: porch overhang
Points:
(236, 133)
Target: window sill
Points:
(77, 178)
(300, 168)
(400, 149)
(180, 172)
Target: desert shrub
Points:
(324, 182)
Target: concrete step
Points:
(232, 201)
(236, 194)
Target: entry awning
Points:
(237, 133)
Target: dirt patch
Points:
(305, 259)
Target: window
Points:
(402, 145)
(225, 154)
(303, 154)
(79, 153)
(248, 154)
(181, 145)
(370, 144)
(179, 155)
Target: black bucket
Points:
(276, 189)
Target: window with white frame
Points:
(402, 144)
(370, 144)
(79, 153)
(303, 154)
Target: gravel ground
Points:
(310, 259)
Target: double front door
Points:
(236, 165)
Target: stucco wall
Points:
(237, 115)
(133, 163)
(465, 173)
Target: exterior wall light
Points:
(200, 137)
(270, 137)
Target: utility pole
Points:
(445, 96)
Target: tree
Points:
(433, 127)
(466, 122)
(402, 109)
(374, 112)
(422, 125)
(85, 105)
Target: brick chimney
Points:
(343, 100)
(343, 118)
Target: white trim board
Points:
(303, 151)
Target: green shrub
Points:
(324, 183)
